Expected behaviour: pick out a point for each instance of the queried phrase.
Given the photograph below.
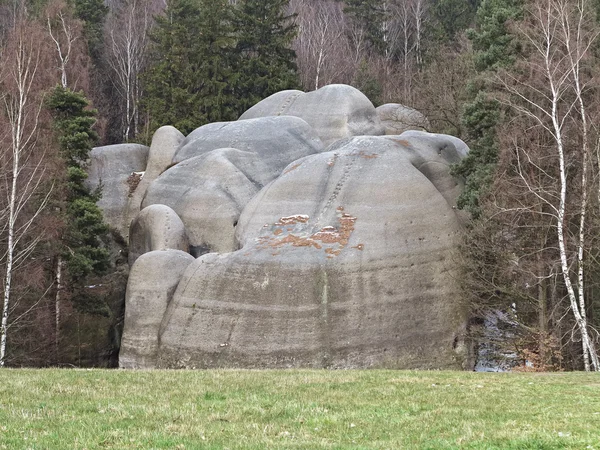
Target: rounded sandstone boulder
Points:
(156, 227)
(165, 142)
(152, 281)
(335, 111)
(116, 169)
(346, 262)
(278, 140)
(397, 118)
(213, 182)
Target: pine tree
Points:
(264, 34)
(370, 16)
(85, 234)
(494, 44)
(451, 17)
(480, 118)
(92, 13)
(495, 47)
(190, 82)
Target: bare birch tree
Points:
(552, 90)
(321, 43)
(127, 28)
(63, 36)
(23, 167)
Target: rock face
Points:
(300, 257)
(114, 168)
(156, 227)
(211, 185)
(397, 118)
(152, 281)
(335, 111)
(165, 143)
(328, 277)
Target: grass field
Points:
(98, 409)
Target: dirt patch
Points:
(133, 181)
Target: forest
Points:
(516, 80)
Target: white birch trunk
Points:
(560, 38)
(64, 49)
(20, 64)
(57, 303)
(10, 249)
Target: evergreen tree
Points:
(264, 34)
(370, 16)
(190, 82)
(480, 118)
(92, 13)
(85, 234)
(451, 17)
(494, 47)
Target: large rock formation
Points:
(335, 111)
(346, 262)
(165, 142)
(340, 258)
(116, 169)
(213, 181)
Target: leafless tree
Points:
(551, 88)
(127, 28)
(63, 35)
(23, 166)
(321, 44)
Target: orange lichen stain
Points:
(366, 155)
(294, 167)
(403, 142)
(359, 247)
(296, 241)
(340, 235)
(329, 238)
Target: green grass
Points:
(98, 409)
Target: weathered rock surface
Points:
(397, 118)
(156, 227)
(165, 142)
(335, 111)
(439, 141)
(346, 262)
(152, 281)
(208, 191)
(113, 168)
(278, 140)
(300, 257)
